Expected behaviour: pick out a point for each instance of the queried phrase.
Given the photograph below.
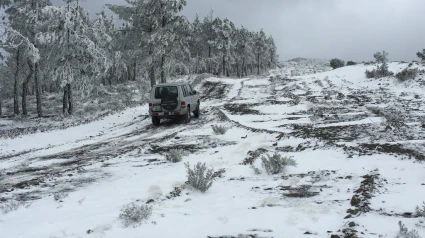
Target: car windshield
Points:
(166, 92)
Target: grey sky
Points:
(347, 29)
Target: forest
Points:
(69, 51)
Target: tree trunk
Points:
(15, 88)
(65, 100)
(110, 76)
(224, 65)
(209, 59)
(37, 92)
(152, 69)
(25, 88)
(258, 64)
(243, 67)
(237, 70)
(163, 79)
(70, 100)
(134, 70)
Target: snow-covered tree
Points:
(76, 56)
(20, 29)
(421, 55)
(381, 57)
(260, 48)
(225, 31)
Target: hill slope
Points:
(357, 142)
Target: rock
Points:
(352, 211)
(308, 233)
(352, 224)
(348, 216)
(335, 236)
(355, 201)
(407, 214)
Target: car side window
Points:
(184, 91)
(190, 89)
(187, 90)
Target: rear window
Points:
(166, 92)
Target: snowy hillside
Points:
(358, 144)
(303, 66)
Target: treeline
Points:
(64, 49)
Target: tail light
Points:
(150, 105)
(183, 103)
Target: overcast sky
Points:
(347, 29)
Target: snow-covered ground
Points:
(354, 174)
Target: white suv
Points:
(173, 101)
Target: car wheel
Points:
(187, 116)
(197, 111)
(156, 121)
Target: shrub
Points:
(175, 156)
(394, 117)
(199, 177)
(370, 74)
(349, 63)
(256, 170)
(407, 74)
(59, 196)
(133, 214)
(420, 211)
(275, 164)
(405, 233)
(11, 206)
(219, 130)
(337, 63)
(379, 72)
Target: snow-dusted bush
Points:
(59, 196)
(349, 63)
(420, 211)
(275, 164)
(394, 117)
(257, 171)
(337, 63)
(133, 214)
(219, 130)
(405, 233)
(175, 156)
(380, 72)
(200, 178)
(11, 206)
(407, 74)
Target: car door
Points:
(195, 96)
(189, 97)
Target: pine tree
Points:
(75, 55)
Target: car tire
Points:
(156, 121)
(187, 116)
(197, 111)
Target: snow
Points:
(118, 164)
